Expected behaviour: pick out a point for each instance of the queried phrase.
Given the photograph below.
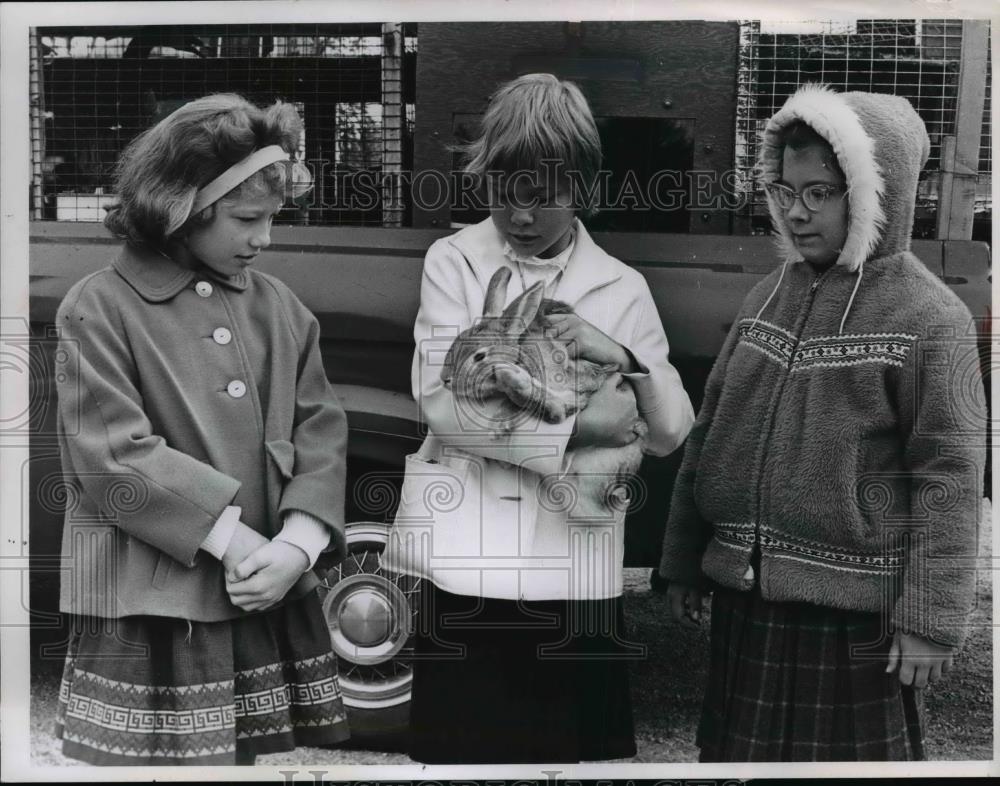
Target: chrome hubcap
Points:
(369, 613)
(365, 618)
(368, 618)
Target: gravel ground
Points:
(666, 690)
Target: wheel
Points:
(370, 614)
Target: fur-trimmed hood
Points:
(881, 145)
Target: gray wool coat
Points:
(183, 393)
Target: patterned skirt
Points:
(500, 681)
(161, 691)
(798, 682)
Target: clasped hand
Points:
(259, 572)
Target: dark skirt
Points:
(162, 691)
(501, 681)
(798, 682)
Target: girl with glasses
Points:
(831, 485)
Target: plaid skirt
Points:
(162, 691)
(798, 682)
(499, 681)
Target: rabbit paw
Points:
(555, 412)
(513, 381)
(559, 405)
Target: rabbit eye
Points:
(480, 355)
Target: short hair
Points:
(161, 170)
(798, 135)
(534, 119)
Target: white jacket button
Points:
(203, 288)
(222, 335)
(236, 389)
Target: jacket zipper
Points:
(750, 577)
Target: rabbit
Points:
(508, 355)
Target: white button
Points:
(203, 288)
(222, 336)
(236, 389)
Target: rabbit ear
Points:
(496, 292)
(522, 310)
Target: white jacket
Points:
(473, 516)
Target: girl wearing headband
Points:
(203, 452)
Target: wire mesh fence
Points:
(917, 59)
(95, 89)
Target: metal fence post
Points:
(392, 124)
(36, 98)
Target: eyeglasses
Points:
(813, 197)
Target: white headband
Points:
(235, 175)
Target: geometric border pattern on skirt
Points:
(148, 690)
(793, 681)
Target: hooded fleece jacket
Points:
(843, 428)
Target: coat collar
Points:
(589, 267)
(158, 278)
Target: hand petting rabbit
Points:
(513, 354)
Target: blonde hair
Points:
(533, 120)
(162, 169)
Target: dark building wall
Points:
(624, 69)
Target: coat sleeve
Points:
(943, 420)
(660, 395)
(159, 495)
(533, 444)
(319, 436)
(687, 533)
